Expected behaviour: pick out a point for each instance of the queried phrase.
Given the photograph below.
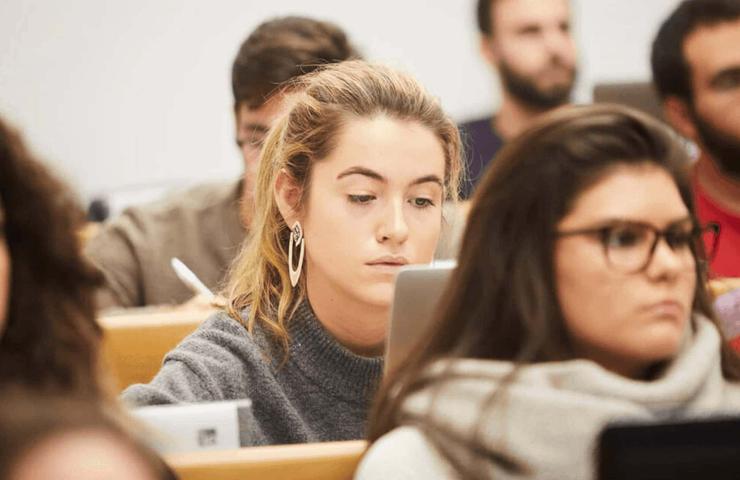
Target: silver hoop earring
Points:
(296, 240)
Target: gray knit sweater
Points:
(321, 393)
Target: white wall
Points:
(118, 94)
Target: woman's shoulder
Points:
(221, 321)
(403, 453)
(220, 335)
(215, 362)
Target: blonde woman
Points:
(350, 189)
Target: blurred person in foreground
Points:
(68, 438)
(49, 337)
(579, 299)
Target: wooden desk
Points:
(134, 344)
(328, 461)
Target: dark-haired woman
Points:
(48, 334)
(579, 299)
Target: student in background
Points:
(530, 45)
(350, 188)
(696, 70)
(579, 299)
(49, 338)
(49, 437)
(204, 225)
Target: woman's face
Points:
(4, 272)
(623, 319)
(374, 205)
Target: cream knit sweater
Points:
(548, 419)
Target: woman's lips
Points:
(667, 308)
(390, 264)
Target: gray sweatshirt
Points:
(321, 393)
(547, 419)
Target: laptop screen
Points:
(687, 450)
(418, 291)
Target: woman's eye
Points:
(679, 238)
(422, 202)
(624, 237)
(361, 199)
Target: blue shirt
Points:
(481, 143)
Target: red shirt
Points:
(726, 262)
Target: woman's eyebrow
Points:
(642, 221)
(362, 171)
(380, 178)
(428, 178)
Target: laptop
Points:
(416, 299)
(639, 95)
(194, 426)
(681, 450)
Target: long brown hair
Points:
(501, 303)
(51, 338)
(306, 134)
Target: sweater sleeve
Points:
(113, 250)
(207, 366)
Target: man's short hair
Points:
(671, 72)
(483, 15)
(280, 50)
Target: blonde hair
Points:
(322, 103)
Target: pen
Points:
(190, 279)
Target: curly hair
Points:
(51, 338)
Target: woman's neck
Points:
(626, 367)
(360, 327)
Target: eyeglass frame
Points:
(601, 233)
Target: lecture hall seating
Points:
(327, 461)
(134, 343)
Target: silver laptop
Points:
(415, 303)
(194, 426)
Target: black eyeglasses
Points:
(629, 246)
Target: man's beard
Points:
(721, 146)
(527, 92)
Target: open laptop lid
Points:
(191, 427)
(415, 302)
(679, 450)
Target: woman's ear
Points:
(287, 196)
